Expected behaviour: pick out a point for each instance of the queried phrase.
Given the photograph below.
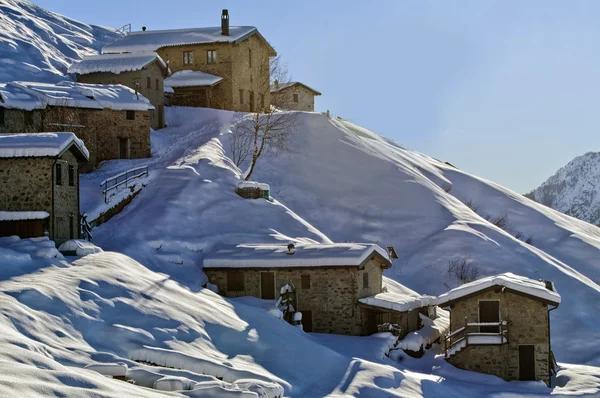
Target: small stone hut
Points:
(39, 190)
(500, 325)
(253, 190)
(293, 96)
(112, 120)
(194, 88)
(142, 72)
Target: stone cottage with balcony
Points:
(112, 120)
(293, 96)
(500, 325)
(142, 72)
(335, 284)
(39, 190)
(235, 58)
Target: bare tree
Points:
(267, 127)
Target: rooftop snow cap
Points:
(225, 23)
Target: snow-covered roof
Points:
(168, 89)
(508, 280)
(398, 298)
(23, 215)
(305, 255)
(115, 63)
(283, 86)
(192, 78)
(253, 184)
(39, 145)
(152, 40)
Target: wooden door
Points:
(123, 148)
(307, 320)
(526, 362)
(267, 285)
(489, 311)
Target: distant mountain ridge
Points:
(574, 189)
(39, 45)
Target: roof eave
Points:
(475, 293)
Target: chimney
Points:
(291, 249)
(276, 83)
(143, 28)
(225, 23)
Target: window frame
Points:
(305, 281)
(211, 57)
(235, 281)
(148, 82)
(130, 115)
(365, 280)
(241, 97)
(71, 175)
(58, 173)
(156, 84)
(188, 57)
(250, 57)
(295, 98)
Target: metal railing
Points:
(113, 182)
(463, 337)
(125, 29)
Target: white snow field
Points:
(39, 45)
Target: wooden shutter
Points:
(489, 311)
(267, 285)
(305, 279)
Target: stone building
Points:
(335, 284)
(239, 55)
(500, 325)
(39, 193)
(142, 72)
(112, 120)
(293, 96)
(196, 89)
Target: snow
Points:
(508, 280)
(169, 89)
(305, 255)
(39, 45)
(115, 63)
(108, 369)
(191, 78)
(38, 144)
(22, 215)
(149, 40)
(253, 184)
(80, 247)
(32, 95)
(396, 302)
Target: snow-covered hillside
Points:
(574, 189)
(39, 45)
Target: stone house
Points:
(143, 72)
(112, 120)
(194, 88)
(500, 325)
(293, 96)
(239, 55)
(39, 194)
(331, 281)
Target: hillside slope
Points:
(340, 182)
(39, 45)
(574, 189)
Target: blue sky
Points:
(507, 90)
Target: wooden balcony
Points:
(472, 334)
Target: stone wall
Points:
(19, 121)
(154, 93)
(527, 325)
(202, 97)
(285, 98)
(332, 297)
(233, 65)
(66, 201)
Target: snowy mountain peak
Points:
(39, 45)
(574, 189)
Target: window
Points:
(365, 280)
(235, 281)
(2, 117)
(305, 281)
(148, 82)
(251, 101)
(130, 115)
(188, 57)
(262, 101)
(71, 176)
(241, 96)
(28, 115)
(250, 57)
(58, 173)
(156, 84)
(295, 97)
(71, 226)
(211, 56)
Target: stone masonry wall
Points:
(15, 121)
(306, 99)
(527, 324)
(26, 184)
(66, 202)
(154, 93)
